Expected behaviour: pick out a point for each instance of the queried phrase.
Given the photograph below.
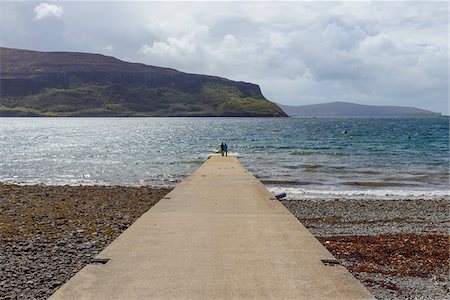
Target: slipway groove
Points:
(218, 235)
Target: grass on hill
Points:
(137, 100)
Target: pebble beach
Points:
(48, 233)
(397, 248)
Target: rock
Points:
(33, 262)
(55, 284)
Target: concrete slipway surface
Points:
(218, 235)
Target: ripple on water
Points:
(303, 151)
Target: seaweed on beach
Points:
(406, 254)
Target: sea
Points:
(308, 158)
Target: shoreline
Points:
(360, 194)
(396, 248)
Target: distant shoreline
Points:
(437, 116)
(266, 117)
(347, 109)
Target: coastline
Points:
(396, 248)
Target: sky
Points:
(298, 52)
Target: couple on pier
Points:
(224, 149)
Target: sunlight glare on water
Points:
(299, 153)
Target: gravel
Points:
(48, 233)
(397, 248)
(371, 217)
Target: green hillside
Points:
(78, 84)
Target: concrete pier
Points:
(218, 235)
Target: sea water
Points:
(309, 158)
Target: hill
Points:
(345, 109)
(36, 83)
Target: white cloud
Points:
(45, 10)
(370, 52)
(108, 48)
(362, 52)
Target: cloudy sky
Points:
(377, 52)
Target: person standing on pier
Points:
(222, 148)
(225, 149)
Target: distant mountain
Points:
(345, 109)
(81, 84)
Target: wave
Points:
(311, 168)
(436, 177)
(292, 167)
(348, 170)
(374, 183)
(369, 172)
(383, 194)
(303, 153)
(308, 153)
(288, 182)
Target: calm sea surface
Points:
(307, 158)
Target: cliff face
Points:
(66, 84)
